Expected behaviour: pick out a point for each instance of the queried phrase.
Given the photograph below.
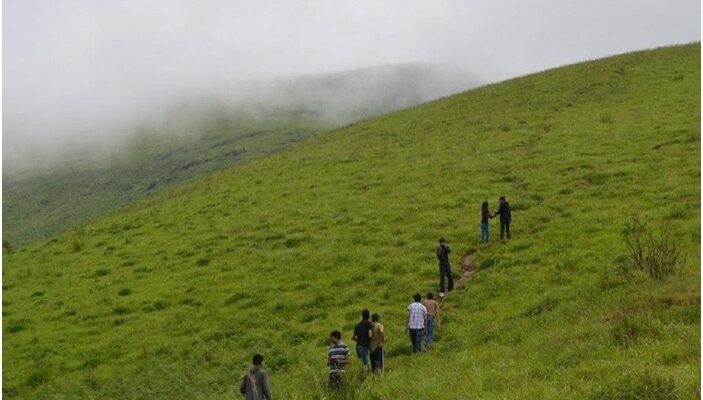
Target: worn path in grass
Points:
(467, 271)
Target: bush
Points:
(14, 326)
(156, 306)
(659, 256)
(76, 246)
(37, 378)
(102, 272)
(120, 310)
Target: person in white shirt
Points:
(415, 322)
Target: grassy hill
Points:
(87, 182)
(170, 297)
(38, 205)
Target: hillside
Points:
(210, 135)
(170, 297)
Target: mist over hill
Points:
(50, 189)
(335, 98)
(352, 95)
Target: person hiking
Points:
(485, 216)
(255, 385)
(376, 347)
(337, 358)
(444, 269)
(505, 217)
(433, 320)
(362, 336)
(415, 322)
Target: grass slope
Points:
(39, 202)
(38, 206)
(170, 297)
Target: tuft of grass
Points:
(659, 255)
(37, 377)
(16, 325)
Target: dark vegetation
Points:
(659, 254)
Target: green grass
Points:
(52, 196)
(42, 204)
(170, 297)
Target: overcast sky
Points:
(75, 67)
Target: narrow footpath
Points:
(467, 270)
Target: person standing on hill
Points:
(377, 340)
(444, 269)
(432, 318)
(337, 359)
(255, 384)
(505, 217)
(485, 216)
(362, 336)
(415, 322)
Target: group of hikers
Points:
(421, 319)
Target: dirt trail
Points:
(467, 271)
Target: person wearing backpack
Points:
(444, 269)
(255, 385)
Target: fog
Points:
(77, 72)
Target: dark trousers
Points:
(445, 271)
(377, 360)
(505, 229)
(335, 382)
(416, 339)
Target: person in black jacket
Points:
(444, 268)
(362, 337)
(504, 212)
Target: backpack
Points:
(252, 381)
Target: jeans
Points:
(484, 232)
(504, 228)
(430, 331)
(416, 339)
(363, 353)
(377, 360)
(445, 270)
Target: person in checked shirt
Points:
(415, 322)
